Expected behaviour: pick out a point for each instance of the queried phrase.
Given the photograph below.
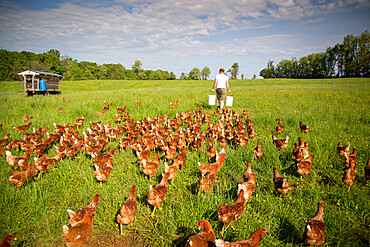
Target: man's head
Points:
(222, 70)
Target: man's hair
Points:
(222, 70)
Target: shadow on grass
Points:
(291, 169)
(183, 234)
(326, 179)
(24, 243)
(206, 106)
(194, 188)
(289, 233)
(143, 200)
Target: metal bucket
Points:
(211, 99)
(229, 100)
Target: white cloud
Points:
(130, 29)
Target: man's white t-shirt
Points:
(221, 80)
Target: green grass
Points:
(36, 212)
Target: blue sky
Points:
(179, 35)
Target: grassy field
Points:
(335, 110)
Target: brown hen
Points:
(156, 194)
(281, 184)
(228, 214)
(23, 128)
(367, 170)
(6, 240)
(79, 234)
(102, 173)
(248, 187)
(150, 167)
(127, 211)
(314, 233)
(349, 175)
(76, 217)
(16, 161)
(212, 168)
(172, 170)
(248, 172)
(252, 241)
(304, 166)
(304, 128)
(19, 178)
(258, 151)
(204, 238)
(280, 143)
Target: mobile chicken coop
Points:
(41, 83)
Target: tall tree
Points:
(234, 71)
(269, 72)
(183, 76)
(364, 53)
(195, 74)
(136, 67)
(73, 71)
(205, 72)
(103, 72)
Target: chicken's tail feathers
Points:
(239, 188)
(309, 227)
(70, 212)
(220, 243)
(65, 230)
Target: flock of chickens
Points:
(171, 137)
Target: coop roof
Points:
(35, 72)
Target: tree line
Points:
(197, 74)
(351, 58)
(13, 62)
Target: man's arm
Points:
(227, 85)
(214, 86)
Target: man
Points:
(222, 82)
